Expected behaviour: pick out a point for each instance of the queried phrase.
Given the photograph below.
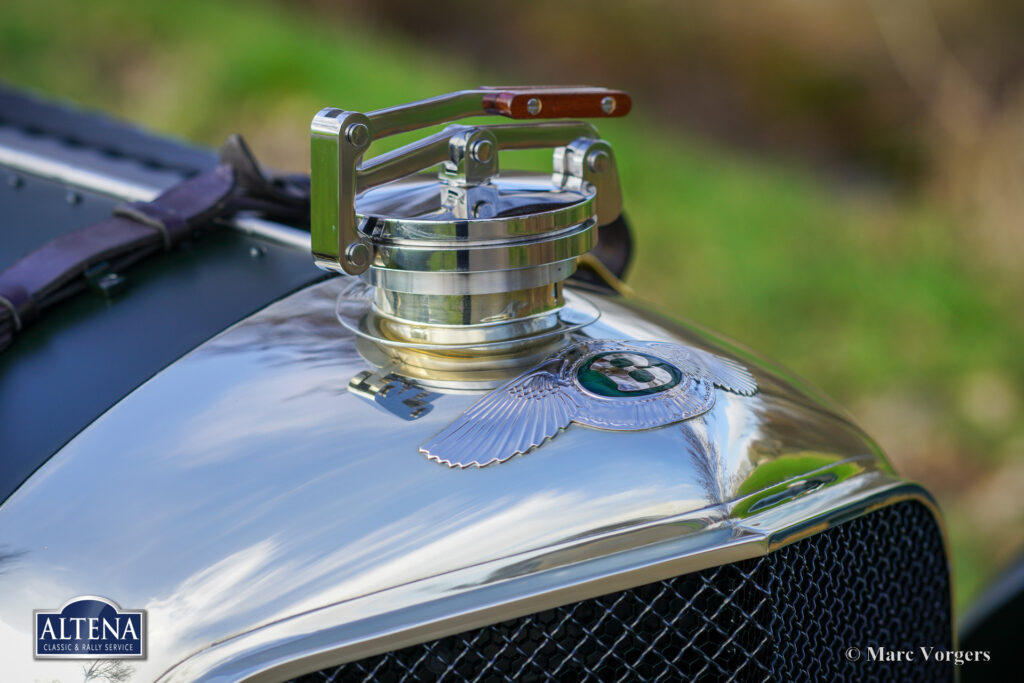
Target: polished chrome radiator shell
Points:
(881, 580)
(284, 524)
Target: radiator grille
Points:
(879, 580)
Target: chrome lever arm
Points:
(535, 102)
(436, 149)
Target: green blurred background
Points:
(839, 185)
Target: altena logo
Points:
(90, 627)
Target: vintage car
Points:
(454, 451)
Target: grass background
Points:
(874, 296)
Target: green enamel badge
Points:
(622, 374)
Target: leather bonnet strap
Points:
(59, 268)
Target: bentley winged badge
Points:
(606, 384)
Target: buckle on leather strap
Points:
(170, 224)
(19, 302)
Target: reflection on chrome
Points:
(275, 502)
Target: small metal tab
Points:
(105, 281)
(395, 394)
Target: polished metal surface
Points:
(446, 147)
(590, 163)
(404, 308)
(468, 231)
(435, 267)
(463, 601)
(446, 240)
(477, 340)
(272, 521)
(413, 211)
(337, 142)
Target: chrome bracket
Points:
(337, 141)
(586, 160)
(465, 177)
(397, 395)
(472, 157)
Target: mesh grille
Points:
(879, 580)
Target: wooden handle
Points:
(556, 102)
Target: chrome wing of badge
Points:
(599, 383)
(510, 420)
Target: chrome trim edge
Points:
(531, 582)
(121, 179)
